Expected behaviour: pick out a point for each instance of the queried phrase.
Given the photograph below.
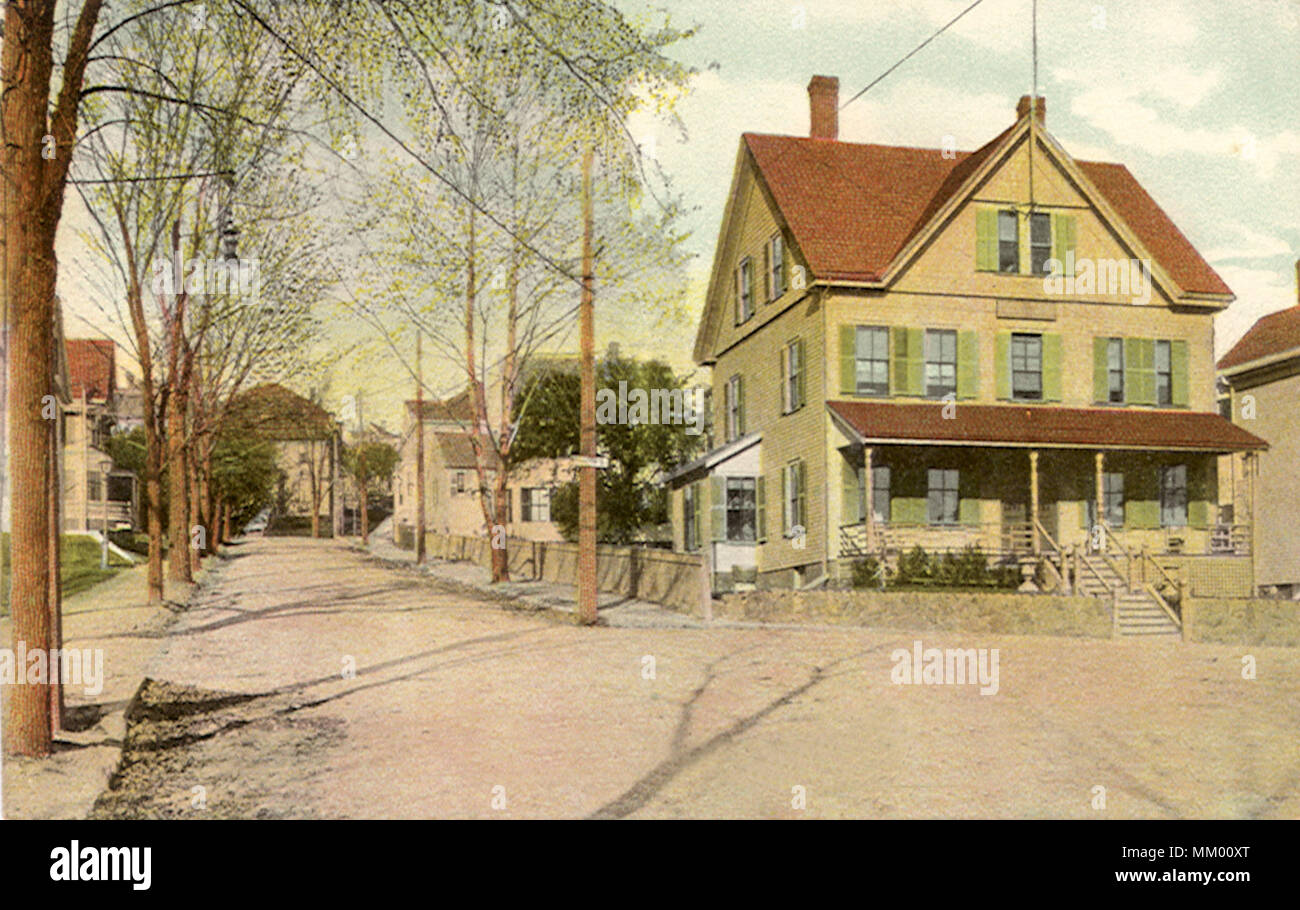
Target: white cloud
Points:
(1250, 244)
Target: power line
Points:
(910, 53)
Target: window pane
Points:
(1040, 228)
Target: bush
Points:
(868, 573)
(966, 568)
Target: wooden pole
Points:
(419, 451)
(1100, 474)
(1033, 501)
(587, 473)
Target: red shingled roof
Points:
(459, 408)
(853, 207)
(458, 451)
(1009, 425)
(1272, 334)
(90, 368)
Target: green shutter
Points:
(1062, 236)
(1132, 370)
(785, 499)
(802, 494)
(1002, 364)
(697, 513)
(1100, 369)
(1139, 371)
(740, 406)
(986, 240)
(804, 372)
(897, 360)
(969, 511)
(1142, 513)
(760, 508)
(718, 507)
(1178, 372)
(1148, 374)
(1052, 367)
(968, 365)
(916, 361)
(850, 498)
(908, 511)
(1198, 513)
(848, 360)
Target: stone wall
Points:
(999, 613)
(645, 573)
(1242, 621)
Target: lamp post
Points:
(105, 466)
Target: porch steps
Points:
(1139, 614)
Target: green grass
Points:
(78, 569)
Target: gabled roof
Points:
(457, 409)
(1273, 334)
(90, 368)
(274, 413)
(1048, 427)
(458, 452)
(853, 207)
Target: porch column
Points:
(1033, 501)
(1101, 491)
(869, 518)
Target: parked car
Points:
(259, 522)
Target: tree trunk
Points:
(32, 205)
(225, 521)
(365, 502)
(196, 511)
(55, 489)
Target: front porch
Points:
(1032, 506)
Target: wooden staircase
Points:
(1138, 612)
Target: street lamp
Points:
(105, 466)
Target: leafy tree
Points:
(629, 498)
(368, 462)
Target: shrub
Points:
(914, 566)
(868, 573)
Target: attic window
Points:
(744, 290)
(1008, 242)
(776, 267)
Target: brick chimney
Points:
(1022, 108)
(824, 107)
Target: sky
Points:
(1198, 99)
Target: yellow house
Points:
(1261, 379)
(1006, 348)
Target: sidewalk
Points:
(613, 609)
(112, 617)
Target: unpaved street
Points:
(460, 707)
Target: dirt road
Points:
(309, 681)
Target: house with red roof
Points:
(452, 498)
(1260, 377)
(92, 490)
(1007, 348)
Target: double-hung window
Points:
(741, 510)
(744, 290)
(1040, 242)
(1164, 374)
(942, 496)
(871, 360)
(735, 408)
(1027, 367)
(792, 367)
(1115, 370)
(1008, 241)
(1173, 496)
(776, 267)
(940, 362)
(535, 503)
(880, 492)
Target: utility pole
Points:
(363, 504)
(419, 451)
(587, 472)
